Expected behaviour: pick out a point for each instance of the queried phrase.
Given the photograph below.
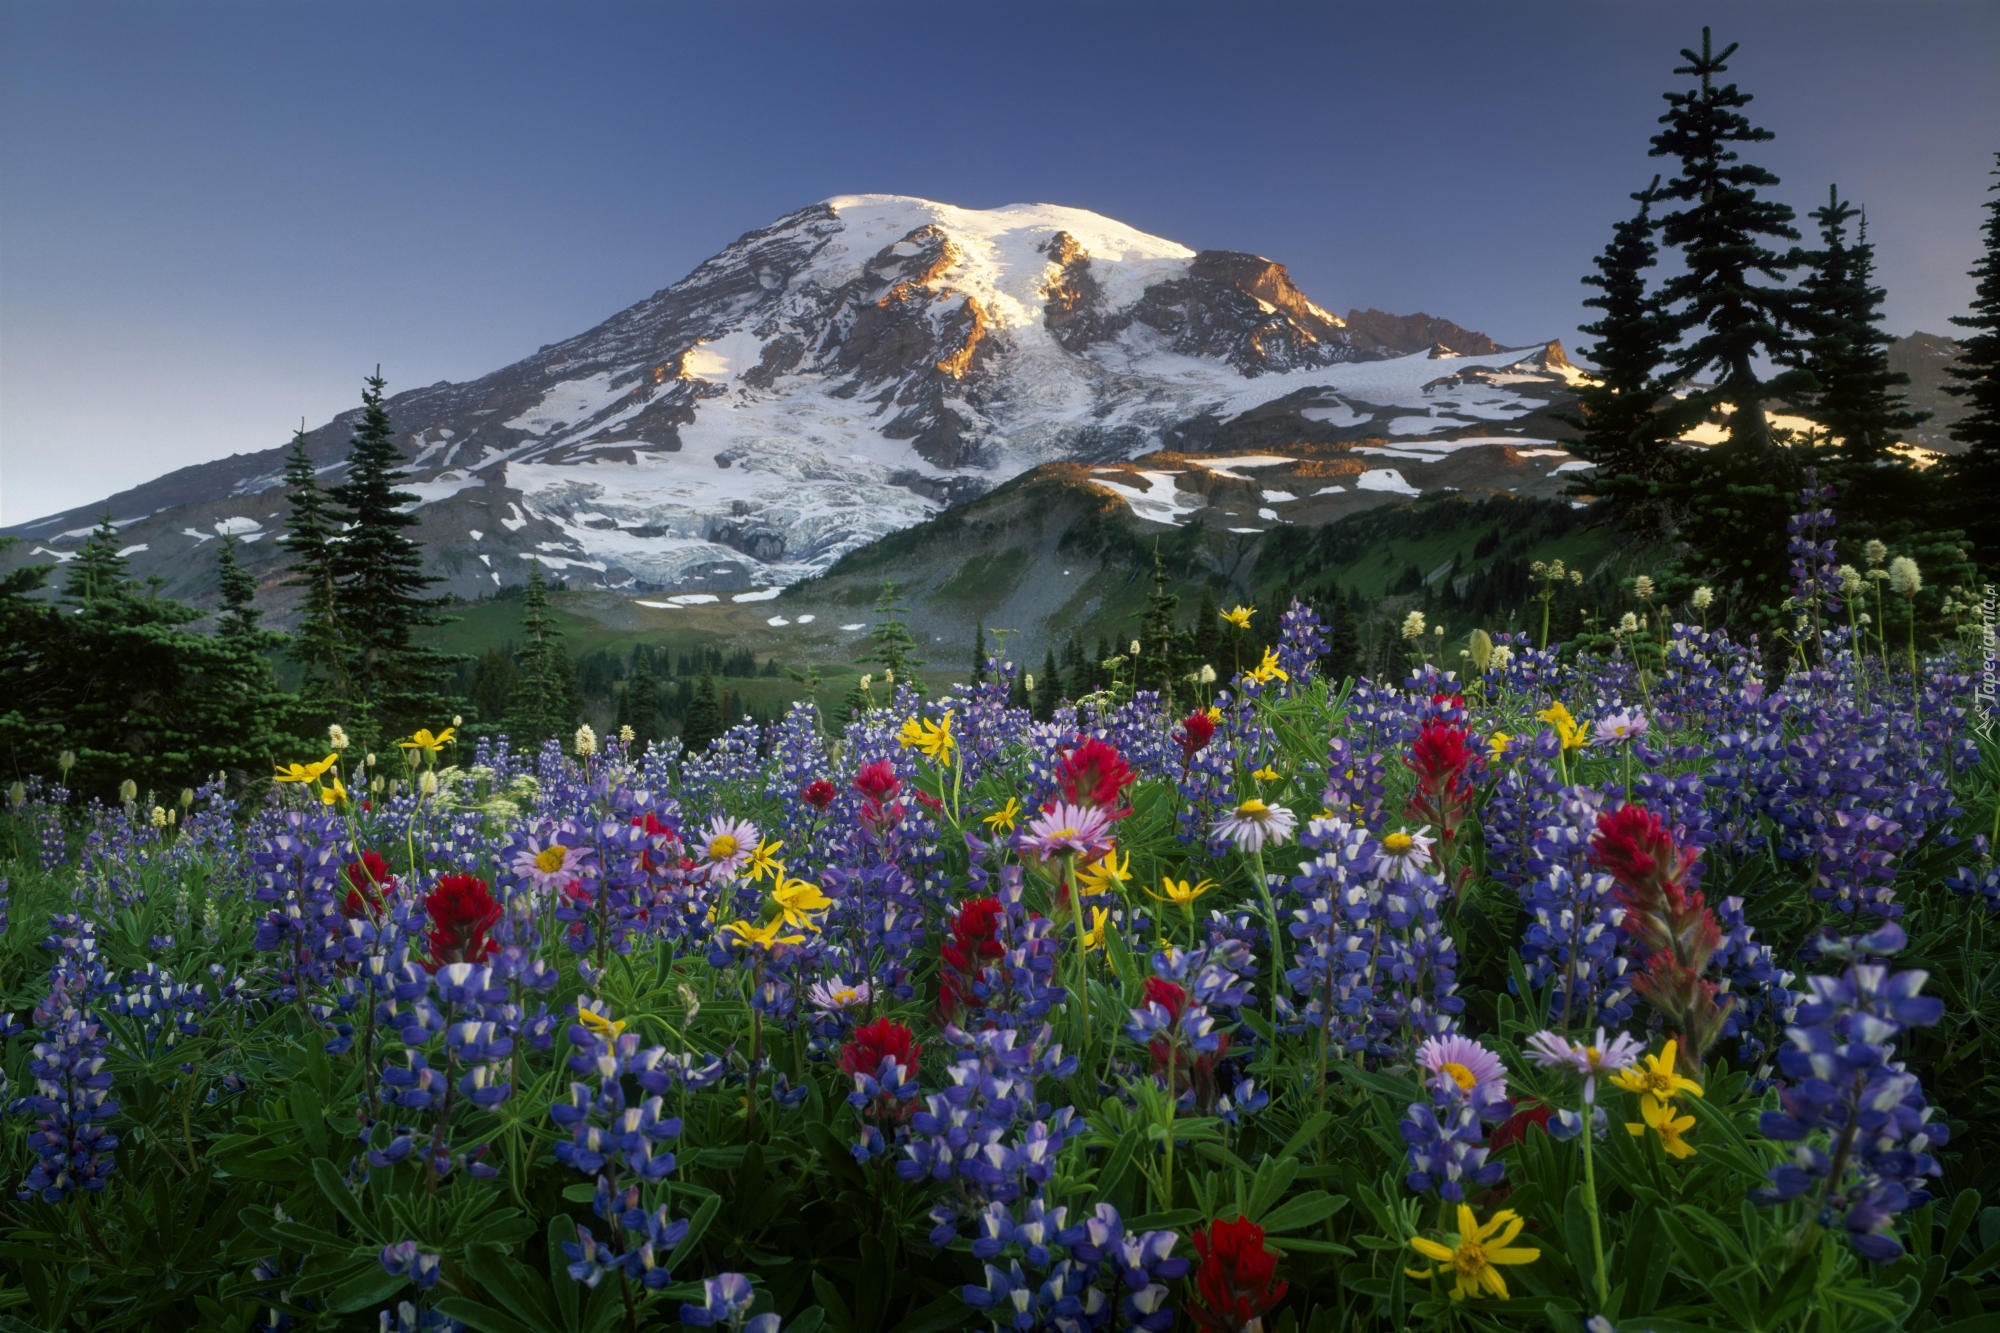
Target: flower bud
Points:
(427, 783)
(128, 791)
(66, 761)
(187, 797)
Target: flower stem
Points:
(1271, 921)
(1590, 1205)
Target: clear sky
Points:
(215, 218)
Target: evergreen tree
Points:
(704, 717)
(1973, 477)
(639, 705)
(1728, 303)
(1206, 639)
(495, 678)
(318, 646)
(379, 579)
(545, 703)
(1159, 651)
(1048, 687)
(247, 683)
(894, 646)
(98, 570)
(1622, 429)
(1848, 352)
(979, 654)
(136, 693)
(32, 672)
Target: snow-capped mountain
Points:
(856, 366)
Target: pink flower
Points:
(1465, 1062)
(1063, 829)
(551, 866)
(726, 845)
(1552, 1050)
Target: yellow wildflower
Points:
(1106, 874)
(1475, 1258)
(1214, 713)
(1496, 745)
(933, 740)
(1180, 892)
(1002, 820)
(1658, 1079)
(1239, 616)
(1659, 1117)
(596, 1024)
(764, 861)
(1568, 730)
(428, 743)
(798, 901)
(306, 772)
(1266, 774)
(1094, 937)
(332, 793)
(1268, 670)
(764, 937)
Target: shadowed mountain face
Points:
(852, 369)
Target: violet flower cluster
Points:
(1861, 1132)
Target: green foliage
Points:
(1973, 477)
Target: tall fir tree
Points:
(1160, 651)
(1847, 351)
(247, 682)
(495, 678)
(704, 717)
(546, 703)
(979, 654)
(1729, 304)
(1623, 430)
(639, 703)
(893, 644)
(1048, 686)
(318, 646)
(379, 580)
(1973, 477)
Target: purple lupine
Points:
(71, 1102)
(1861, 1132)
(983, 1135)
(1302, 644)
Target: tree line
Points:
(1713, 307)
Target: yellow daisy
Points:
(1002, 820)
(933, 740)
(1657, 1079)
(306, 772)
(1239, 616)
(1477, 1255)
(1659, 1117)
(428, 743)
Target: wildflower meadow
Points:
(1648, 985)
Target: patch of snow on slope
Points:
(1160, 501)
(1385, 479)
(758, 595)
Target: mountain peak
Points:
(847, 371)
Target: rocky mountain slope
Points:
(860, 365)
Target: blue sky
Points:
(215, 218)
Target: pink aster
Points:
(1552, 1050)
(726, 845)
(1253, 823)
(1623, 725)
(550, 864)
(1083, 831)
(1463, 1060)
